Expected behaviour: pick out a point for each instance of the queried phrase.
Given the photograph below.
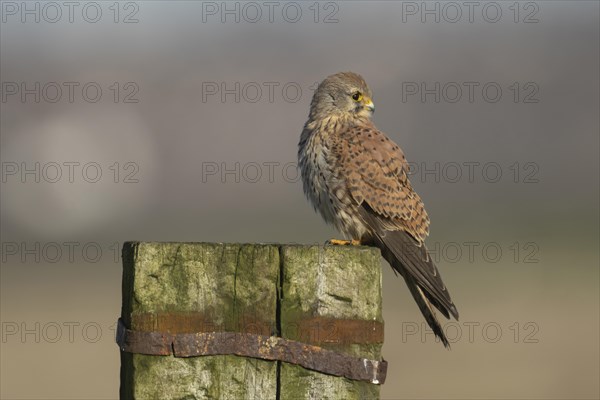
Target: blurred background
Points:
(179, 121)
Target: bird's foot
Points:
(338, 242)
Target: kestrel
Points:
(357, 179)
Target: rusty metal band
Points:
(251, 345)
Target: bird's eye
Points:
(357, 96)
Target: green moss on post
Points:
(322, 285)
(297, 292)
(233, 287)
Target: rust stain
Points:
(314, 330)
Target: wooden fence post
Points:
(326, 296)
(327, 291)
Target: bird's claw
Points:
(338, 242)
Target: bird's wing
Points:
(377, 175)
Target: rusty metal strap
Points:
(251, 345)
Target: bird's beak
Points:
(369, 105)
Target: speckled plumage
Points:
(357, 179)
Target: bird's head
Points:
(343, 95)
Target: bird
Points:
(357, 179)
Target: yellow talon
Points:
(338, 242)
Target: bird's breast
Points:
(325, 186)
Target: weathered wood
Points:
(297, 292)
(234, 286)
(324, 284)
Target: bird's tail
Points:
(410, 258)
(419, 294)
(427, 310)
